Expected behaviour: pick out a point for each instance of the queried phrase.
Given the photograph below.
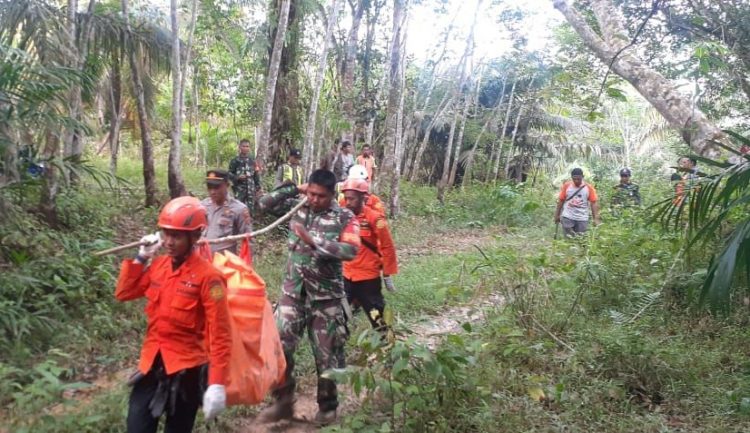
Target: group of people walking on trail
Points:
(577, 198)
(340, 254)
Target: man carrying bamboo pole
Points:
(321, 236)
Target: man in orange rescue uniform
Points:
(377, 254)
(186, 303)
(371, 201)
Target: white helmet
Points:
(358, 171)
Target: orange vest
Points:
(376, 251)
(182, 307)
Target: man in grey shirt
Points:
(227, 216)
(344, 162)
(574, 200)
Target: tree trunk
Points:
(50, 182)
(115, 107)
(444, 104)
(174, 166)
(285, 118)
(147, 153)
(348, 91)
(308, 150)
(79, 37)
(448, 176)
(390, 167)
(400, 145)
(261, 151)
(493, 148)
(513, 140)
(496, 169)
(460, 141)
(681, 113)
(493, 116)
(10, 138)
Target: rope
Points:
(264, 230)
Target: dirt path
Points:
(429, 331)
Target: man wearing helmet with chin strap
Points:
(362, 276)
(188, 328)
(359, 172)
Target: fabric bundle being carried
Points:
(257, 362)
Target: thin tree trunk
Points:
(147, 152)
(493, 148)
(444, 104)
(174, 166)
(678, 109)
(496, 169)
(493, 116)
(79, 36)
(50, 181)
(513, 141)
(443, 184)
(309, 146)
(392, 136)
(446, 180)
(459, 142)
(350, 62)
(115, 106)
(9, 135)
(384, 86)
(261, 151)
(395, 180)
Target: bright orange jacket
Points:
(373, 202)
(373, 233)
(184, 308)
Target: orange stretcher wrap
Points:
(257, 363)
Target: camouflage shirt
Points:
(626, 194)
(317, 271)
(244, 190)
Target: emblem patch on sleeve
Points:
(381, 224)
(216, 290)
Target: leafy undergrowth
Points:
(600, 334)
(60, 322)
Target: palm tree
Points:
(713, 203)
(38, 35)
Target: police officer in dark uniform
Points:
(244, 176)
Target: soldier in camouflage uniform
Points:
(244, 176)
(321, 235)
(626, 192)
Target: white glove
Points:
(151, 244)
(389, 283)
(214, 401)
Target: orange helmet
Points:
(183, 213)
(356, 185)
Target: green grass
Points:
(559, 358)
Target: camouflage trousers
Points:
(326, 328)
(245, 195)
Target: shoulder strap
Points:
(574, 194)
(372, 247)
